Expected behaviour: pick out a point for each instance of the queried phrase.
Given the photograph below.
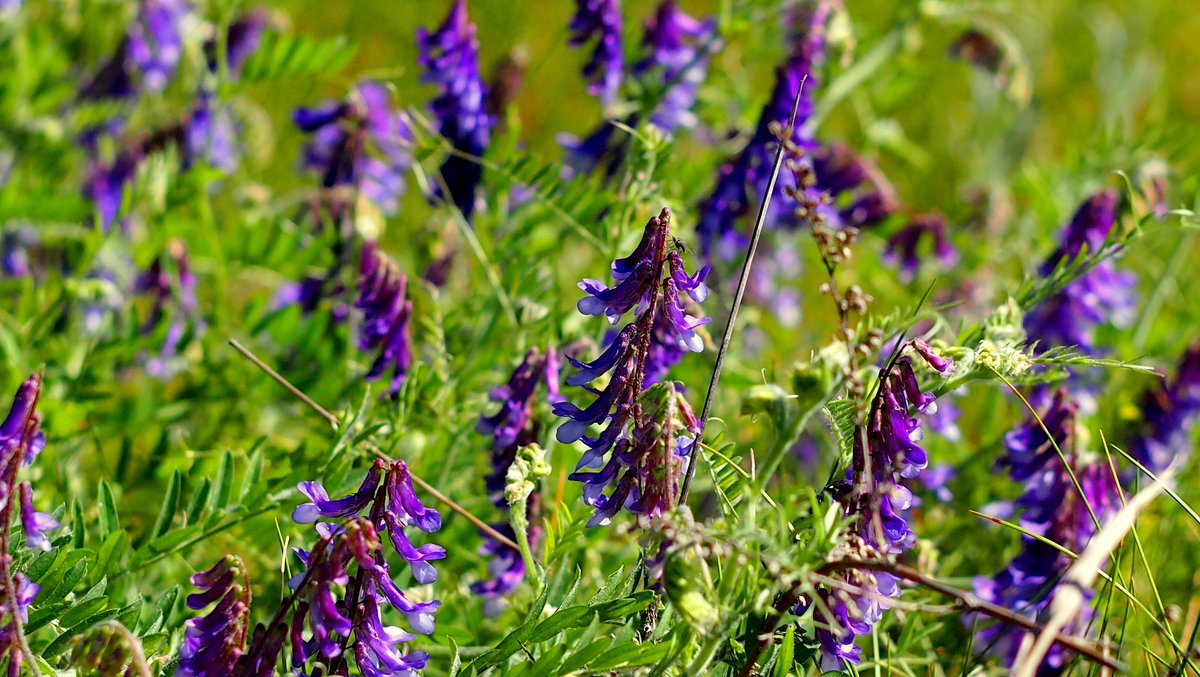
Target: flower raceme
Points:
(385, 330)
(1169, 412)
(887, 455)
(600, 20)
(361, 143)
(512, 426)
(450, 57)
(654, 284)
(212, 644)
(21, 440)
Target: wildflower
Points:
(1168, 414)
(512, 426)
(1102, 295)
(746, 176)
(649, 282)
(14, 253)
(886, 453)
(211, 137)
(174, 297)
(450, 56)
(902, 247)
(600, 20)
(155, 41)
(361, 143)
(387, 495)
(212, 644)
(386, 315)
(241, 40)
(680, 47)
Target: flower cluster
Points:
(512, 426)
(600, 20)
(387, 494)
(176, 297)
(649, 281)
(1168, 414)
(148, 56)
(679, 47)
(1102, 295)
(213, 644)
(747, 175)
(903, 247)
(385, 330)
(886, 455)
(361, 143)
(1043, 459)
(450, 56)
(21, 440)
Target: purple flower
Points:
(210, 137)
(903, 246)
(647, 282)
(875, 495)
(1102, 295)
(512, 427)
(450, 57)
(172, 299)
(680, 47)
(349, 557)
(213, 643)
(155, 42)
(1030, 448)
(361, 143)
(386, 315)
(600, 20)
(105, 184)
(1168, 414)
(33, 523)
(241, 40)
(747, 175)
(14, 253)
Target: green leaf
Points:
(787, 653)
(252, 476)
(108, 510)
(114, 546)
(586, 655)
(222, 487)
(62, 642)
(573, 617)
(60, 587)
(288, 56)
(195, 508)
(170, 504)
(83, 609)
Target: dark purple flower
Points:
(386, 316)
(450, 57)
(1030, 448)
(241, 40)
(212, 644)
(1168, 414)
(105, 184)
(600, 20)
(1089, 227)
(903, 247)
(680, 47)
(172, 299)
(14, 253)
(361, 143)
(886, 454)
(648, 282)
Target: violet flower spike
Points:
(647, 282)
(155, 42)
(680, 48)
(875, 495)
(385, 329)
(213, 643)
(903, 247)
(600, 21)
(1168, 414)
(450, 57)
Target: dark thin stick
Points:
(963, 601)
(737, 298)
(333, 420)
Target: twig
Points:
(743, 279)
(333, 420)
